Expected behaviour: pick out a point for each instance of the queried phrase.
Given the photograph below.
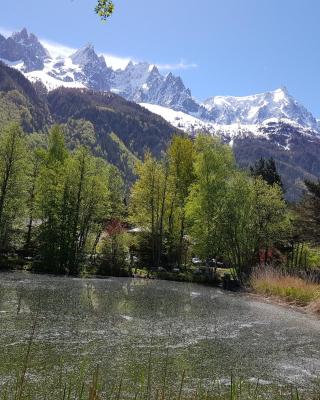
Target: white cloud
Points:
(113, 61)
(177, 66)
(116, 62)
(5, 32)
(57, 49)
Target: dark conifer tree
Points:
(308, 221)
(267, 170)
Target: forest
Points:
(65, 211)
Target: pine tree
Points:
(307, 223)
(267, 170)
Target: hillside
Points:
(19, 100)
(117, 130)
(121, 131)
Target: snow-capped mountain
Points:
(143, 83)
(255, 109)
(281, 131)
(139, 82)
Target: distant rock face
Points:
(143, 83)
(94, 72)
(25, 48)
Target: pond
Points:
(135, 329)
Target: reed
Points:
(92, 390)
(292, 289)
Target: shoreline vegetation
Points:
(292, 290)
(95, 388)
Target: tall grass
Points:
(93, 386)
(271, 282)
(94, 389)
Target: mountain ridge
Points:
(271, 124)
(143, 83)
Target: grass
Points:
(94, 387)
(292, 289)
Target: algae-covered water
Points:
(146, 329)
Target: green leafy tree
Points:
(214, 164)
(254, 220)
(181, 169)
(148, 204)
(74, 204)
(104, 9)
(36, 161)
(114, 250)
(232, 215)
(89, 203)
(50, 199)
(13, 176)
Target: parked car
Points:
(196, 261)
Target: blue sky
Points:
(219, 47)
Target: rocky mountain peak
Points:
(25, 49)
(21, 36)
(26, 39)
(85, 55)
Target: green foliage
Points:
(104, 9)
(267, 170)
(114, 250)
(79, 132)
(253, 219)
(303, 256)
(73, 203)
(232, 216)
(14, 107)
(13, 177)
(157, 204)
(181, 175)
(196, 194)
(148, 203)
(294, 166)
(214, 165)
(117, 193)
(20, 102)
(308, 222)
